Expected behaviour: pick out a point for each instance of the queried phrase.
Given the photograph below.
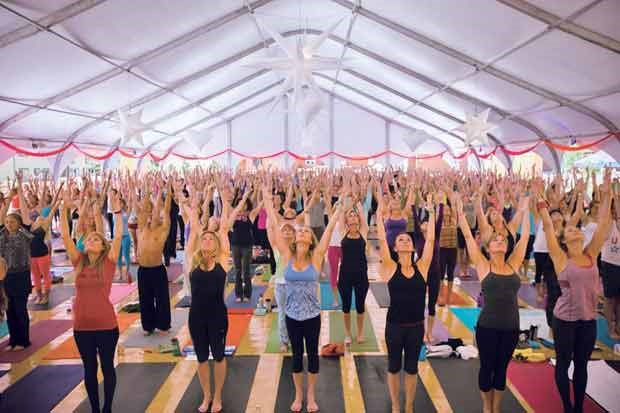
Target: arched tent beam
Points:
(480, 65)
(568, 27)
(50, 20)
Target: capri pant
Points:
(433, 284)
(347, 284)
(447, 262)
(496, 347)
(125, 251)
(308, 330)
(407, 338)
(209, 337)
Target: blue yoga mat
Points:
(602, 334)
(4, 329)
(467, 315)
(327, 298)
(257, 290)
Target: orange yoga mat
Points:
(237, 326)
(455, 298)
(68, 349)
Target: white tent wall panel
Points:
(397, 47)
(608, 106)
(161, 106)
(179, 122)
(215, 81)
(283, 15)
(105, 133)
(373, 90)
(603, 19)
(476, 27)
(434, 118)
(9, 22)
(258, 132)
(313, 140)
(44, 65)
(203, 51)
(563, 8)
(36, 9)
(220, 102)
(564, 121)
(108, 96)
(364, 101)
(134, 27)
(8, 109)
(564, 64)
(356, 131)
(46, 124)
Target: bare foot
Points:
(361, 339)
(163, 332)
(216, 406)
(18, 348)
(147, 333)
(238, 299)
(613, 334)
(283, 348)
(204, 407)
(347, 340)
(8, 348)
(296, 406)
(312, 406)
(429, 338)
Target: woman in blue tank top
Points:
(404, 329)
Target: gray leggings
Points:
(242, 257)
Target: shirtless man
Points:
(152, 275)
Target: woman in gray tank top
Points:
(497, 330)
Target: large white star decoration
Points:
(131, 126)
(476, 128)
(199, 139)
(298, 64)
(415, 138)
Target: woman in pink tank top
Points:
(574, 315)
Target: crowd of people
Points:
(316, 224)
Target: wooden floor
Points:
(263, 393)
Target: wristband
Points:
(117, 212)
(542, 205)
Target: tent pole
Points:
(332, 138)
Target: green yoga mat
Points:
(267, 274)
(273, 341)
(372, 375)
(240, 371)
(336, 332)
(136, 386)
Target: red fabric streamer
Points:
(23, 151)
(567, 148)
(521, 152)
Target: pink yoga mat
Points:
(120, 291)
(41, 333)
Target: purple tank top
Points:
(393, 227)
(580, 288)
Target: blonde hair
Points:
(199, 258)
(98, 264)
(313, 244)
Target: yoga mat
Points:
(247, 307)
(470, 273)
(41, 333)
(336, 332)
(467, 315)
(68, 348)
(455, 298)
(603, 385)
(174, 271)
(237, 327)
(240, 373)
(231, 275)
(472, 288)
(136, 338)
(58, 295)
(328, 386)
(120, 291)
(372, 375)
(327, 298)
(602, 333)
(41, 389)
(267, 273)
(381, 293)
(614, 364)
(174, 288)
(528, 293)
(273, 340)
(440, 332)
(184, 302)
(4, 329)
(136, 386)
(459, 382)
(536, 383)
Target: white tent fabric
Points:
(547, 70)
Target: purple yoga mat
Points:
(472, 288)
(440, 332)
(41, 333)
(470, 271)
(527, 293)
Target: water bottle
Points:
(260, 302)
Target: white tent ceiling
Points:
(548, 69)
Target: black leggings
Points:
(208, 336)
(347, 284)
(574, 341)
(399, 338)
(447, 262)
(242, 258)
(496, 347)
(154, 298)
(89, 344)
(433, 284)
(18, 320)
(542, 261)
(308, 330)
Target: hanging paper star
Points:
(415, 138)
(198, 139)
(476, 128)
(131, 126)
(298, 64)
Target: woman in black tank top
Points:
(494, 223)
(208, 317)
(353, 274)
(404, 328)
(497, 331)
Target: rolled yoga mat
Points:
(41, 389)
(136, 386)
(58, 295)
(136, 337)
(327, 298)
(328, 386)
(372, 375)
(41, 333)
(336, 332)
(246, 306)
(240, 371)
(381, 293)
(459, 384)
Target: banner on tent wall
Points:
(8, 148)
